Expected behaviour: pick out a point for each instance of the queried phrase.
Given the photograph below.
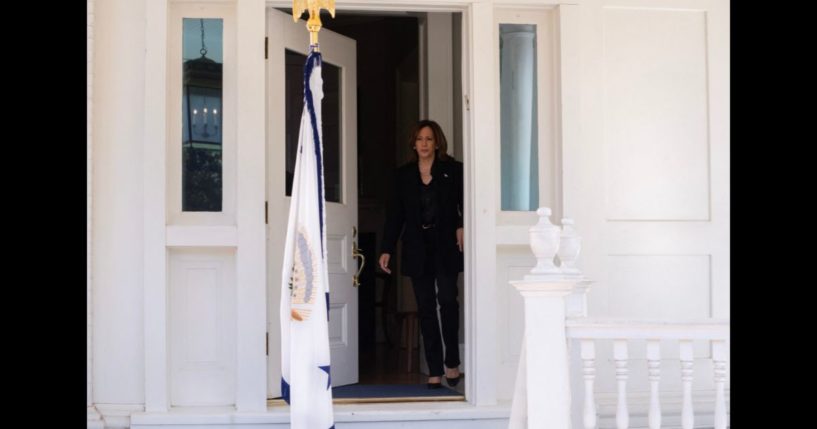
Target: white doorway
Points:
(369, 164)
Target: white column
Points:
(548, 384)
(251, 374)
(157, 385)
(517, 117)
(117, 212)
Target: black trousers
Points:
(427, 298)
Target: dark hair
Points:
(439, 139)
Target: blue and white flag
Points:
(306, 384)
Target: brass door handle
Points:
(356, 254)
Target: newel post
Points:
(542, 394)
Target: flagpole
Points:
(306, 380)
(314, 23)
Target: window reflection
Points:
(201, 115)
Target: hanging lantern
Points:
(202, 134)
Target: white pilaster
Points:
(481, 191)
(117, 212)
(251, 374)
(548, 386)
(155, 252)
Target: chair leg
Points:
(409, 341)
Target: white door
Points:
(288, 44)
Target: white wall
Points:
(118, 112)
(665, 218)
(646, 180)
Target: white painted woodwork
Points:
(719, 356)
(713, 329)
(655, 108)
(588, 355)
(89, 208)
(519, 404)
(118, 373)
(548, 386)
(157, 384)
(654, 363)
(481, 178)
(547, 104)
(213, 236)
(622, 373)
(678, 405)
(202, 327)
(669, 287)
(570, 245)
(687, 363)
(423, 415)
(230, 115)
(512, 264)
(544, 243)
(577, 301)
(617, 231)
(124, 150)
(251, 254)
(341, 217)
(557, 41)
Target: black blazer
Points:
(403, 216)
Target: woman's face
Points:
(424, 144)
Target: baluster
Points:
(654, 363)
(719, 359)
(687, 360)
(589, 370)
(620, 357)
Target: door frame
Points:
(480, 155)
(479, 357)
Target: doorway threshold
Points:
(387, 393)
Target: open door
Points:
(287, 47)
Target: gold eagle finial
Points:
(314, 23)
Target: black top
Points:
(406, 214)
(428, 203)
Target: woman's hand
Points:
(459, 238)
(384, 262)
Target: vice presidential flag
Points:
(306, 384)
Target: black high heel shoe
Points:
(436, 385)
(453, 381)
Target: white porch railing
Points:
(588, 331)
(555, 310)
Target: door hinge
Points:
(467, 103)
(266, 212)
(266, 48)
(267, 343)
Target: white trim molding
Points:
(155, 210)
(94, 418)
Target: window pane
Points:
(518, 113)
(330, 119)
(201, 115)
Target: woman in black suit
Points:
(426, 207)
